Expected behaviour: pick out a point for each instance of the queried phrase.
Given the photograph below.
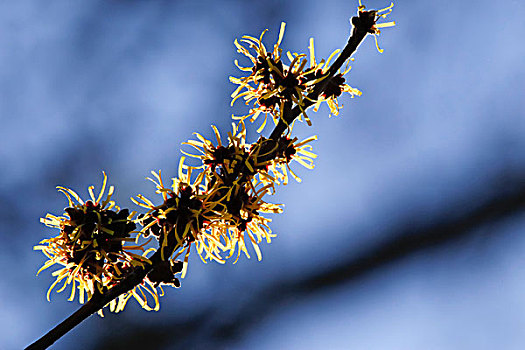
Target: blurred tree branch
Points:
(212, 327)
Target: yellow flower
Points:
(271, 84)
(91, 244)
(335, 86)
(259, 83)
(236, 176)
(179, 218)
(291, 150)
(236, 217)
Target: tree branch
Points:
(361, 27)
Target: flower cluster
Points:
(217, 203)
(271, 84)
(91, 247)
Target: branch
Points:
(362, 25)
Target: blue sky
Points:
(118, 85)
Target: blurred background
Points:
(409, 233)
